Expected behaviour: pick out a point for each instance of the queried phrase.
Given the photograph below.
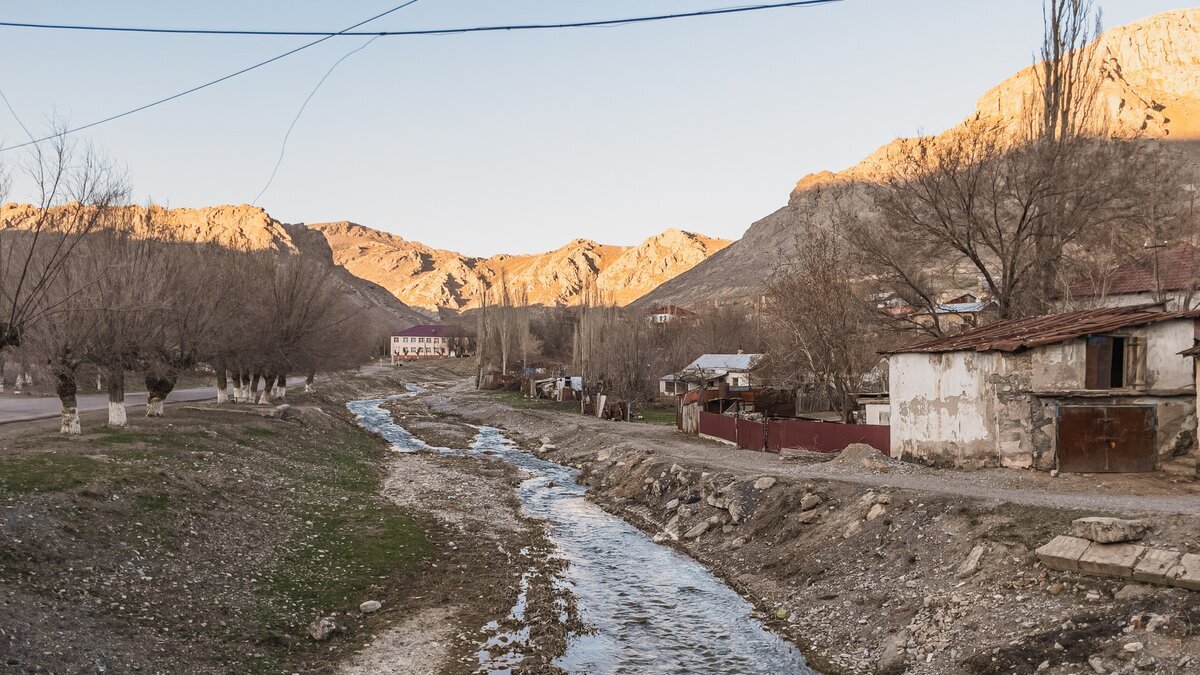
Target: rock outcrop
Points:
(434, 279)
(1151, 86)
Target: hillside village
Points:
(938, 414)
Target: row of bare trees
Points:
(88, 281)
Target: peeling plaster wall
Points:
(1165, 368)
(944, 406)
(1060, 366)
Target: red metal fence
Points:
(718, 426)
(751, 435)
(826, 436)
(775, 435)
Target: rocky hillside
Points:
(1151, 85)
(433, 279)
(250, 228)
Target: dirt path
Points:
(1112, 493)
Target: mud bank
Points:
(866, 578)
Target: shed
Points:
(1101, 390)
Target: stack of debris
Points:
(1103, 547)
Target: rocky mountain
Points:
(435, 279)
(250, 228)
(1151, 85)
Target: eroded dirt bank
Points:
(871, 578)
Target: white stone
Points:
(370, 606)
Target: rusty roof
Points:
(1035, 331)
(1178, 270)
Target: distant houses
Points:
(1170, 274)
(1102, 390)
(667, 314)
(711, 371)
(431, 341)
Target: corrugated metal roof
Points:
(961, 307)
(725, 362)
(1015, 334)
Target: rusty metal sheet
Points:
(1106, 439)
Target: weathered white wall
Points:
(1060, 366)
(942, 406)
(1165, 368)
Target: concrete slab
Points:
(1110, 560)
(1062, 553)
(1186, 573)
(1154, 566)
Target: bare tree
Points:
(821, 322)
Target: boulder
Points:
(971, 565)
(891, 653)
(764, 483)
(370, 606)
(809, 502)
(1109, 530)
(698, 530)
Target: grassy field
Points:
(200, 542)
(653, 414)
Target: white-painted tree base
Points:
(116, 414)
(281, 392)
(309, 389)
(222, 396)
(154, 408)
(265, 397)
(70, 421)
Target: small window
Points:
(1115, 362)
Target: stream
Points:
(648, 608)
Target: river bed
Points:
(647, 608)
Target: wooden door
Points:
(1106, 439)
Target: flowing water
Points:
(649, 609)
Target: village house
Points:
(711, 371)
(431, 341)
(1170, 275)
(667, 314)
(1102, 390)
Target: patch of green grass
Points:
(48, 472)
(515, 399)
(334, 563)
(259, 432)
(664, 416)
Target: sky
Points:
(519, 141)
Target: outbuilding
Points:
(1103, 390)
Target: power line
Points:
(286, 136)
(427, 31)
(206, 85)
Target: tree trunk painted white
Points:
(265, 397)
(116, 414)
(70, 421)
(222, 396)
(154, 407)
(99, 383)
(281, 392)
(309, 388)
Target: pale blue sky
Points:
(516, 142)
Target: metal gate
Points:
(1106, 439)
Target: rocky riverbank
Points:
(864, 577)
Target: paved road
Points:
(25, 408)
(22, 408)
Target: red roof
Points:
(1178, 270)
(433, 330)
(1015, 334)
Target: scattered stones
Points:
(971, 565)
(1109, 530)
(876, 511)
(764, 483)
(854, 529)
(1097, 665)
(1133, 647)
(370, 606)
(672, 505)
(323, 628)
(809, 517)
(809, 501)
